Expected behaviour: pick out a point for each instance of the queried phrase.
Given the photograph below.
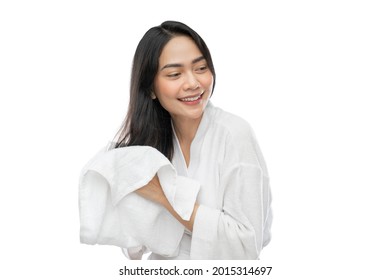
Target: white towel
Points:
(112, 214)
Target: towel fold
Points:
(112, 214)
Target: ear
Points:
(153, 95)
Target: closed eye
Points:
(173, 75)
(201, 69)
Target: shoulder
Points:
(241, 145)
(234, 126)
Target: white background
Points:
(312, 77)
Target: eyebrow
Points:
(196, 60)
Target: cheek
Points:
(207, 81)
(164, 89)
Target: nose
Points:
(191, 82)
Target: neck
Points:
(186, 129)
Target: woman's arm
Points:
(239, 229)
(153, 191)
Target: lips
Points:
(191, 98)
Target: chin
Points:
(193, 114)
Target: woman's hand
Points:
(153, 191)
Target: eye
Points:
(201, 69)
(173, 75)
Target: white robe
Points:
(234, 217)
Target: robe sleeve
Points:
(241, 228)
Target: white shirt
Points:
(234, 217)
(226, 167)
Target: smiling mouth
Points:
(191, 99)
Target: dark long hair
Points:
(147, 123)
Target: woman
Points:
(172, 80)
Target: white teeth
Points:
(189, 99)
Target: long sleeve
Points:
(240, 228)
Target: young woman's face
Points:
(183, 82)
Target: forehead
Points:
(180, 49)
